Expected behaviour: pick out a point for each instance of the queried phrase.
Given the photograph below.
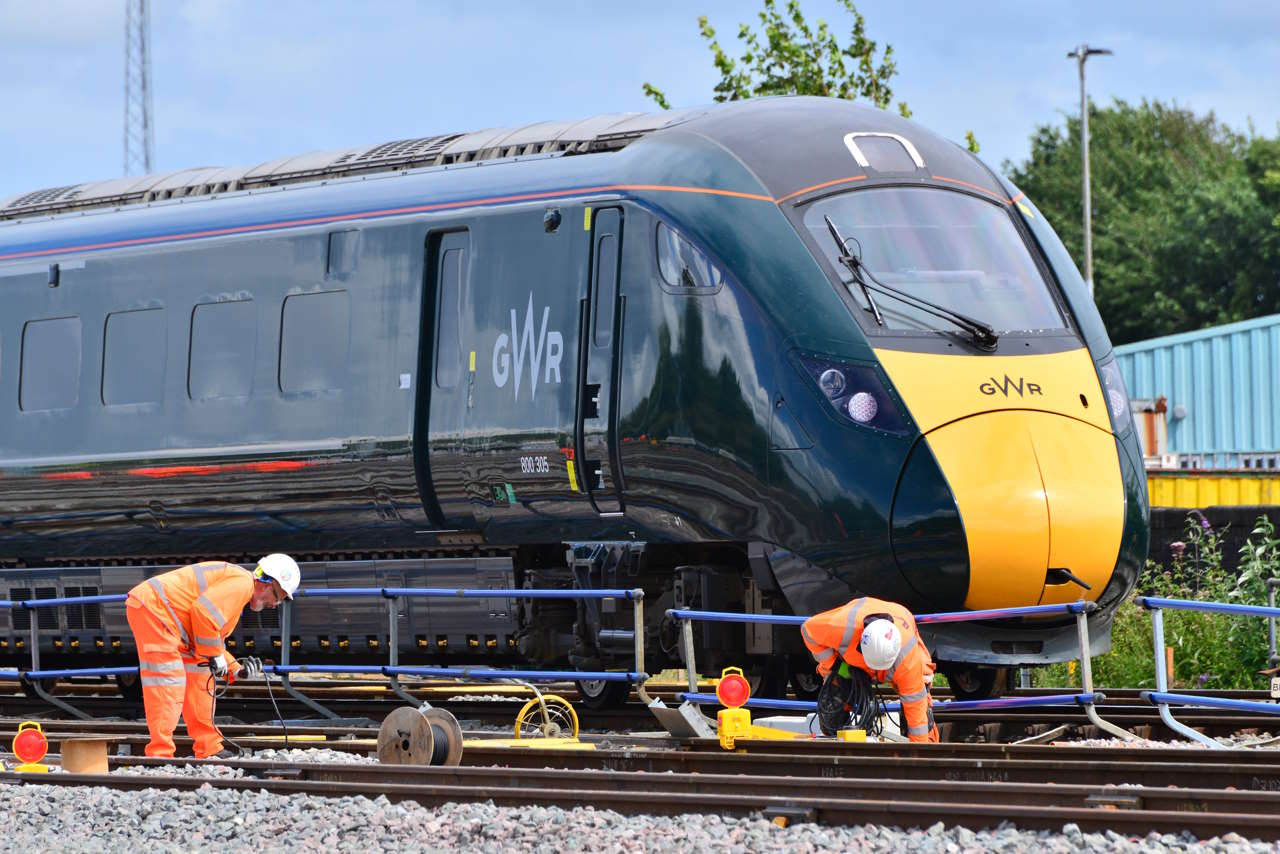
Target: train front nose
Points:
(1034, 493)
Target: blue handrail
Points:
(361, 592)
(462, 672)
(948, 705)
(1211, 702)
(33, 604)
(467, 593)
(1154, 602)
(922, 619)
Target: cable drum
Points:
(410, 736)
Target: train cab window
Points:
(224, 338)
(133, 351)
(684, 266)
(944, 246)
(314, 338)
(50, 372)
(451, 279)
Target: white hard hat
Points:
(282, 568)
(881, 643)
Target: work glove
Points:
(218, 664)
(250, 668)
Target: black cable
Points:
(279, 717)
(216, 688)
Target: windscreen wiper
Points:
(853, 263)
(982, 333)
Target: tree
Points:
(1183, 230)
(789, 57)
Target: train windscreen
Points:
(946, 247)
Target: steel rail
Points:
(1252, 814)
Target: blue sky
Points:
(245, 82)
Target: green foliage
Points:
(1209, 650)
(788, 56)
(1186, 215)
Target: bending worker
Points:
(879, 638)
(179, 620)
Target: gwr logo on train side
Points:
(1009, 385)
(548, 344)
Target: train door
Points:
(443, 379)
(596, 429)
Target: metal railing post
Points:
(690, 660)
(1086, 680)
(1272, 658)
(286, 631)
(1162, 684)
(393, 654)
(637, 620)
(35, 666)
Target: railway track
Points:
(373, 700)
(1168, 791)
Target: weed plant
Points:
(1209, 650)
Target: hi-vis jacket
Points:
(837, 633)
(202, 601)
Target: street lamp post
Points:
(1080, 54)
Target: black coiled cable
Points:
(218, 687)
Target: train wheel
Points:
(805, 681)
(561, 720)
(970, 682)
(599, 694)
(129, 686)
(767, 680)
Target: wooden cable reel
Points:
(426, 736)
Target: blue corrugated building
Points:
(1221, 408)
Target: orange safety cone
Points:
(30, 745)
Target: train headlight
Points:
(857, 393)
(862, 407)
(832, 382)
(1117, 395)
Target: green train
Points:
(764, 356)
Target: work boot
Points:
(225, 753)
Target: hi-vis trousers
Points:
(172, 683)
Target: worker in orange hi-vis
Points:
(880, 639)
(179, 621)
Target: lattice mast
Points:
(139, 132)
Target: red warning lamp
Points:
(30, 746)
(733, 690)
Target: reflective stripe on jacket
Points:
(836, 634)
(202, 601)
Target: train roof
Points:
(610, 132)
(791, 145)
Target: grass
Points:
(1209, 650)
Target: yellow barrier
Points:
(1212, 489)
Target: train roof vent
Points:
(610, 132)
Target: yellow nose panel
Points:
(1085, 494)
(1035, 491)
(990, 464)
(939, 389)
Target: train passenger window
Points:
(133, 351)
(224, 338)
(683, 265)
(452, 276)
(342, 252)
(314, 337)
(50, 372)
